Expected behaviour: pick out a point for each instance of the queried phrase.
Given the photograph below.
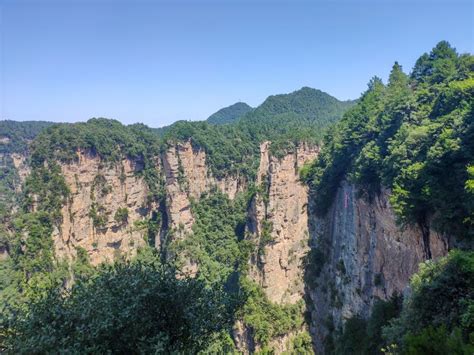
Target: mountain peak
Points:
(229, 114)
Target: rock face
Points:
(364, 255)
(178, 205)
(101, 189)
(187, 177)
(279, 222)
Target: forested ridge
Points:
(16, 135)
(229, 114)
(32, 278)
(413, 135)
(231, 148)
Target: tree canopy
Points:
(415, 136)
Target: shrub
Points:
(121, 215)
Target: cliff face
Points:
(187, 177)
(279, 224)
(363, 255)
(97, 191)
(361, 252)
(100, 189)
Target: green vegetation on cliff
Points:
(230, 149)
(107, 138)
(32, 273)
(15, 136)
(414, 135)
(436, 318)
(216, 243)
(221, 249)
(285, 120)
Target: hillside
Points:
(14, 136)
(285, 120)
(307, 225)
(306, 104)
(407, 145)
(229, 114)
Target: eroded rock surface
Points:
(102, 187)
(365, 256)
(278, 221)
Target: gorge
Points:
(309, 210)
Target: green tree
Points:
(125, 308)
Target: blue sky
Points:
(156, 62)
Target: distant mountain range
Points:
(307, 103)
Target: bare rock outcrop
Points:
(187, 177)
(279, 224)
(364, 255)
(98, 189)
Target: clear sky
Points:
(156, 62)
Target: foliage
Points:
(301, 344)
(30, 268)
(361, 336)
(98, 216)
(9, 181)
(46, 189)
(440, 308)
(289, 119)
(266, 319)
(100, 184)
(313, 263)
(99, 315)
(266, 237)
(437, 341)
(353, 339)
(107, 138)
(285, 120)
(229, 114)
(216, 243)
(14, 138)
(18, 134)
(121, 215)
(218, 246)
(414, 135)
(230, 149)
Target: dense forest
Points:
(34, 279)
(229, 114)
(16, 135)
(413, 136)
